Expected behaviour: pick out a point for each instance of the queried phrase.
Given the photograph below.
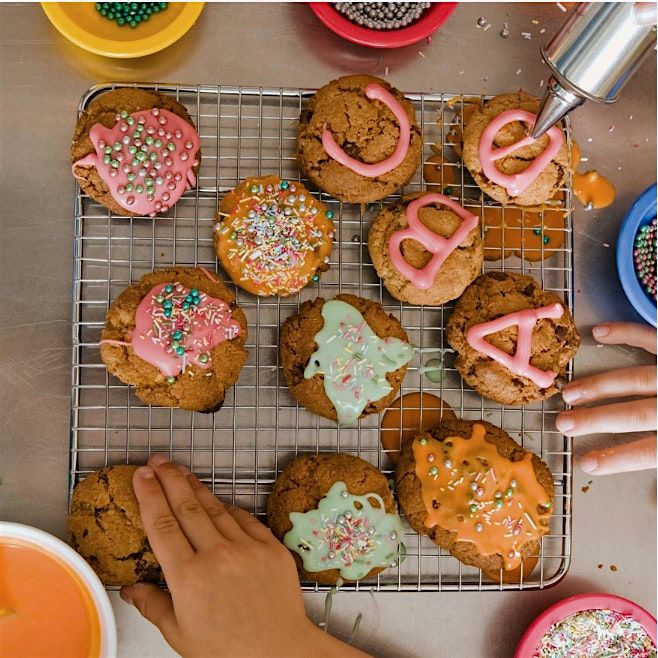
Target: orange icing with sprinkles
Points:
(468, 488)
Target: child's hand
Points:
(634, 416)
(234, 587)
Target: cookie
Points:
(273, 236)
(483, 330)
(345, 358)
(522, 176)
(178, 337)
(338, 517)
(105, 527)
(476, 493)
(426, 248)
(135, 151)
(358, 139)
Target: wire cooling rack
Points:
(239, 450)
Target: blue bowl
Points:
(641, 213)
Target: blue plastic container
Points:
(641, 213)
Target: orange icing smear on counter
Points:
(45, 609)
(590, 187)
(484, 498)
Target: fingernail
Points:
(125, 595)
(183, 469)
(145, 472)
(158, 459)
(589, 463)
(564, 423)
(600, 330)
(571, 395)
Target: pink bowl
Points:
(574, 604)
(430, 21)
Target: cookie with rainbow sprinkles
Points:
(135, 151)
(272, 236)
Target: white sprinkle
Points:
(486, 27)
(519, 71)
(589, 139)
(606, 245)
(584, 159)
(611, 129)
(561, 7)
(386, 71)
(420, 52)
(461, 73)
(535, 22)
(630, 118)
(526, 34)
(619, 168)
(493, 475)
(542, 30)
(541, 84)
(530, 521)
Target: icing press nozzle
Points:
(593, 56)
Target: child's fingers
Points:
(634, 456)
(250, 524)
(626, 333)
(156, 606)
(635, 416)
(218, 511)
(189, 512)
(613, 384)
(165, 535)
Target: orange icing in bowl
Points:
(46, 611)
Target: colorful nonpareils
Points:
(596, 633)
(346, 532)
(146, 159)
(177, 326)
(129, 14)
(382, 15)
(644, 257)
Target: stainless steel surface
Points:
(42, 77)
(595, 53)
(241, 449)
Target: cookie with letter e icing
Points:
(178, 337)
(513, 339)
(344, 358)
(135, 151)
(358, 139)
(337, 515)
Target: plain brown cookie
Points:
(196, 389)
(458, 270)
(306, 480)
(549, 180)
(554, 342)
(409, 491)
(365, 129)
(103, 110)
(297, 344)
(105, 527)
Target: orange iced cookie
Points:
(409, 414)
(273, 236)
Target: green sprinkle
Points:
(536, 231)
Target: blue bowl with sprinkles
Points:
(641, 214)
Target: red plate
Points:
(430, 21)
(572, 605)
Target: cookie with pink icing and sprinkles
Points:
(272, 236)
(135, 151)
(178, 337)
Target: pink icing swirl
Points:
(515, 184)
(201, 326)
(519, 364)
(374, 91)
(161, 167)
(439, 246)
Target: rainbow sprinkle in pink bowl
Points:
(590, 626)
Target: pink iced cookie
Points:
(146, 159)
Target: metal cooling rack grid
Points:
(239, 450)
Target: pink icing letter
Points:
(515, 184)
(374, 91)
(519, 364)
(439, 246)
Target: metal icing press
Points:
(594, 55)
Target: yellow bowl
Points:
(80, 23)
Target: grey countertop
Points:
(42, 77)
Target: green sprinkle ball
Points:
(129, 13)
